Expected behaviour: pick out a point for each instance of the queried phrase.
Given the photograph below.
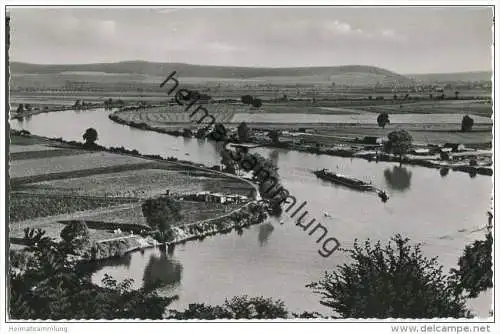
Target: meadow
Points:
(141, 183)
(33, 167)
(361, 119)
(191, 213)
(23, 206)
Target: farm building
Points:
(206, 196)
(422, 151)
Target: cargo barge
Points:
(346, 181)
(349, 182)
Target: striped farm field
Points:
(177, 114)
(142, 183)
(33, 167)
(30, 148)
(28, 206)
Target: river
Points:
(278, 260)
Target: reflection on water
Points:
(161, 271)
(273, 156)
(265, 231)
(444, 171)
(399, 178)
(122, 261)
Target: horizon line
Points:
(245, 67)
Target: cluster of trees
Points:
(160, 214)
(250, 100)
(196, 95)
(274, 135)
(110, 103)
(79, 105)
(21, 108)
(240, 307)
(399, 143)
(46, 283)
(243, 132)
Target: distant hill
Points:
(348, 75)
(452, 77)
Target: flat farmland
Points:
(44, 154)
(34, 167)
(354, 118)
(296, 108)
(131, 214)
(461, 107)
(191, 212)
(53, 227)
(141, 183)
(433, 134)
(24, 206)
(228, 186)
(13, 148)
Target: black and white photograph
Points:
(271, 163)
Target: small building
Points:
(422, 151)
(208, 197)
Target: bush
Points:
(257, 103)
(383, 119)
(475, 272)
(242, 307)
(160, 214)
(90, 136)
(395, 281)
(51, 287)
(247, 99)
(76, 237)
(467, 123)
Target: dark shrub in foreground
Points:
(242, 307)
(45, 284)
(395, 281)
(475, 272)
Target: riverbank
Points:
(346, 151)
(249, 214)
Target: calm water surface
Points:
(277, 260)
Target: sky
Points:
(404, 40)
